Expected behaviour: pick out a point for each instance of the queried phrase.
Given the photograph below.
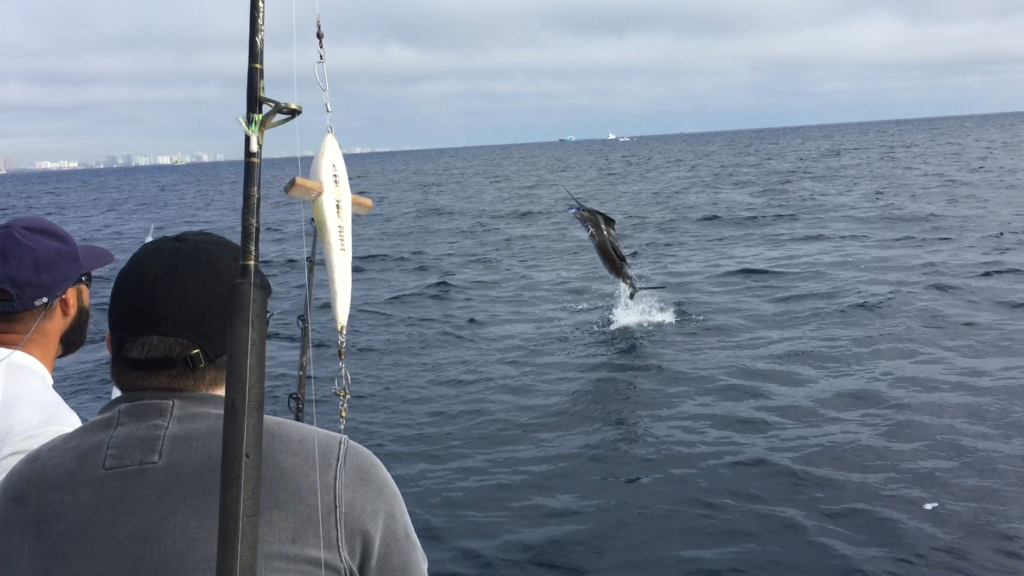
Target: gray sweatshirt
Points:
(136, 491)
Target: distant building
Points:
(129, 159)
(9, 164)
(113, 160)
(58, 165)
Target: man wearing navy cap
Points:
(44, 314)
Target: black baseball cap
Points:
(39, 260)
(178, 286)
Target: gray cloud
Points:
(79, 80)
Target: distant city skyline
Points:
(129, 159)
(124, 159)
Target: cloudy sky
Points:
(79, 80)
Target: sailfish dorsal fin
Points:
(609, 222)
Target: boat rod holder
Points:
(287, 110)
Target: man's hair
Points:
(128, 378)
(18, 321)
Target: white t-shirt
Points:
(31, 412)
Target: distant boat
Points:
(569, 139)
(610, 136)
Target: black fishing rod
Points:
(299, 396)
(242, 452)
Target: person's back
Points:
(136, 490)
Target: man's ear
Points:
(67, 303)
(110, 349)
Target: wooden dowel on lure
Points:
(307, 189)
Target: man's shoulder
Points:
(277, 430)
(287, 427)
(282, 428)
(32, 413)
(25, 405)
(54, 459)
(24, 380)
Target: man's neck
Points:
(31, 346)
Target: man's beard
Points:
(74, 337)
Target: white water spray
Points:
(644, 309)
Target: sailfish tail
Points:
(634, 289)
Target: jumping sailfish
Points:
(601, 229)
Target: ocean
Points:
(830, 384)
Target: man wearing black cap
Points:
(136, 490)
(44, 314)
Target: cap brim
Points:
(94, 257)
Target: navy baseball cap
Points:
(180, 287)
(40, 260)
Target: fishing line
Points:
(322, 64)
(345, 378)
(312, 385)
(248, 365)
(308, 305)
(343, 392)
(295, 73)
(33, 329)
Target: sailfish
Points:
(601, 229)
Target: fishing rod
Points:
(242, 452)
(299, 396)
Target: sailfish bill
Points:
(600, 228)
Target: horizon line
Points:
(387, 150)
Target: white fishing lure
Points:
(332, 212)
(333, 205)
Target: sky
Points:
(80, 80)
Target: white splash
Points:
(149, 238)
(930, 505)
(643, 310)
